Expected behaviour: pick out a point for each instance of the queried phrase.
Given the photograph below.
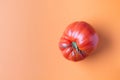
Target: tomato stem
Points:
(74, 45)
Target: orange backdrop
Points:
(30, 31)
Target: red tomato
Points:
(78, 41)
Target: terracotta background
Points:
(30, 31)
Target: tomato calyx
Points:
(74, 45)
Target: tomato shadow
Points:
(104, 45)
(97, 59)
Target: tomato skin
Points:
(78, 41)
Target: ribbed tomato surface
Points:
(78, 41)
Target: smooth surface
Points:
(30, 31)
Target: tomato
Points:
(78, 41)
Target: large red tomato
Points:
(78, 41)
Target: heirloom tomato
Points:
(78, 41)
